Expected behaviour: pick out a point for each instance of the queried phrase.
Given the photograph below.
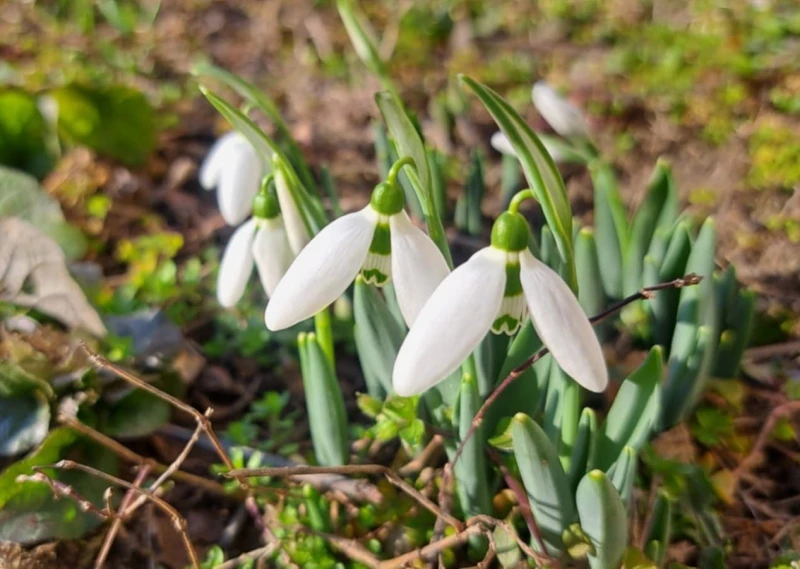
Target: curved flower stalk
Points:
(235, 169)
(380, 242)
(495, 290)
(261, 241)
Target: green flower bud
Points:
(387, 199)
(510, 232)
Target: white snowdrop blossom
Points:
(500, 142)
(565, 118)
(378, 241)
(495, 290)
(293, 220)
(260, 241)
(235, 169)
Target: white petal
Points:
(417, 266)
(272, 253)
(292, 220)
(501, 143)
(323, 270)
(566, 119)
(216, 158)
(236, 265)
(561, 324)
(452, 323)
(239, 182)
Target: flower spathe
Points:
(260, 241)
(235, 169)
(495, 290)
(380, 242)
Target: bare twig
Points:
(108, 540)
(253, 555)
(350, 470)
(61, 490)
(775, 415)
(351, 549)
(432, 550)
(178, 521)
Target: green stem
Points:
(394, 171)
(519, 197)
(322, 323)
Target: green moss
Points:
(775, 157)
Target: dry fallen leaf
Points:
(33, 273)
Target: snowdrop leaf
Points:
(409, 142)
(659, 209)
(378, 337)
(545, 482)
(470, 470)
(33, 274)
(539, 169)
(361, 36)
(24, 422)
(603, 519)
(623, 473)
(325, 403)
(634, 413)
(584, 449)
(610, 225)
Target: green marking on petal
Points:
(511, 315)
(374, 277)
(506, 324)
(513, 284)
(381, 240)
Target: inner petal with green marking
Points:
(514, 309)
(377, 267)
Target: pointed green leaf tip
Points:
(387, 199)
(510, 232)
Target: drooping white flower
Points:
(495, 290)
(500, 142)
(235, 169)
(262, 241)
(380, 242)
(565, 118)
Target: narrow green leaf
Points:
(539, 168)
(659, 207)
(548, 250)
(326, 412)
(623, 473)
(468, 217)
(545, 482)
(634, 413)
(590, 289)
(611, 227)
(603, 519)
(737, 336)
(660, 528)
(363, 39)
(508, 552)
(470, 470)
(665, 304)
(584, 449)
(562, 413)
(378, 337)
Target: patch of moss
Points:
(775, 157)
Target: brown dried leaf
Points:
(33, 273)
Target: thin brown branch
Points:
(127, 500)
(253, 555)
(129, 456)
(351, 548)
(432, 550)
(61, 490)
(777, 413)
(350, 470)
(178, 521)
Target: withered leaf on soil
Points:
(33, 273)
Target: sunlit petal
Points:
(566, 119)
(417, 266)
(501, 143)
(271, 252)
(239, 182)
(452, 323)
(236, 265)
(323, 270)
(561, 324)
(218, 155)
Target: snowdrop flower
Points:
(262, 241)
(378, 241)
(565, 118)
(494, 291)
(235, 169)
(500, 142)
(296, 229)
